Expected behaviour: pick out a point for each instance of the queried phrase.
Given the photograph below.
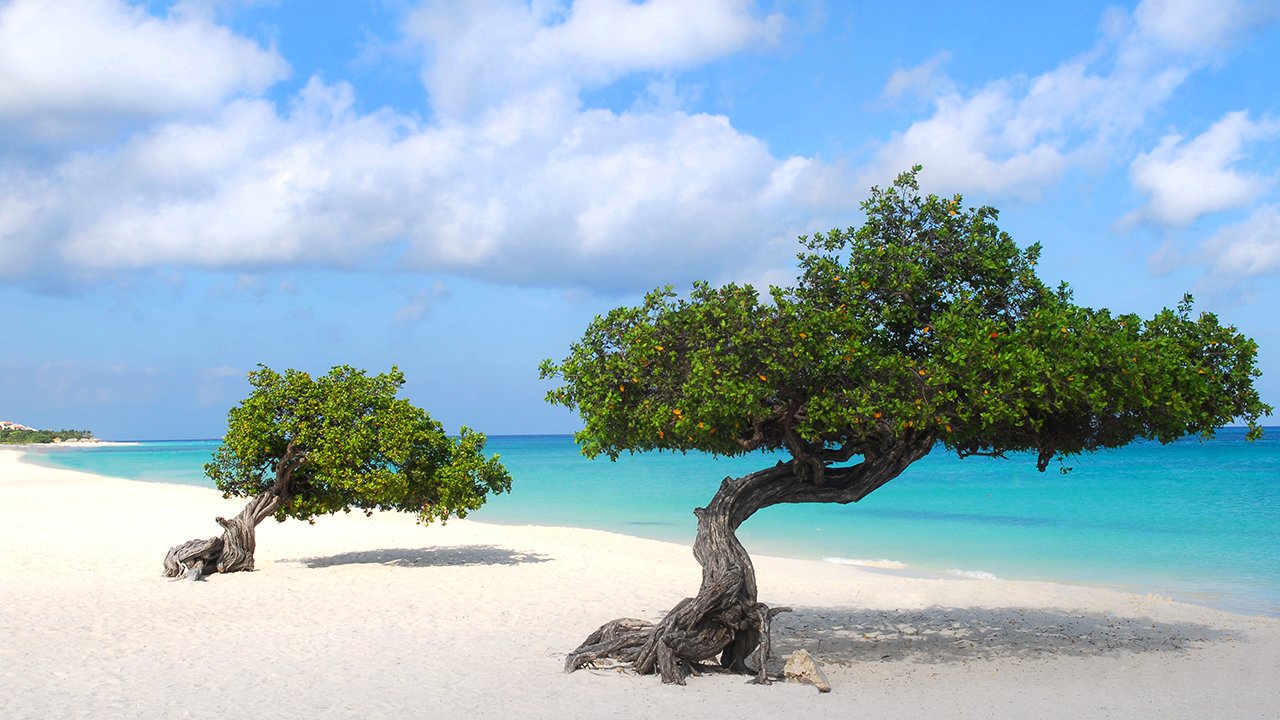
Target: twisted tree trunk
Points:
(230, 553)
(233, 551)
(725, 618)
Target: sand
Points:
(380, 617)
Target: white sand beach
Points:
(380, 617)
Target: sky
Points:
(189, 189)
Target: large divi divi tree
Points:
(925, 326)
(301, 447)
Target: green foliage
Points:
(927, 318)
(343, 441)
(14, 436)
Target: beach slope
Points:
(380, 617)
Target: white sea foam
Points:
(881, 564)
(975, 574)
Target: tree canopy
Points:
(303, 446)
(925, 320)
(925, 324)
(349, 442)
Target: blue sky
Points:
(188, 189)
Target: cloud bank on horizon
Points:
(134, 137)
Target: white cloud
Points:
(1248, 248)
(533, 189)
(1016, 136)
(19, 206)
(221, 371)
(538, 193)
(1186, 180)
(489, 51)
(1202, 25)
(71, 69)
(514, 180)
(419, 304)
(976, 143)
(925, 79)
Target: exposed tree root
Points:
(619, 640)
(681, 644)
(193, 558)
(724, 622)
(232, 552)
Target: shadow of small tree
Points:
(447, 556)
(943, 635)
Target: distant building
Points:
(6, 425)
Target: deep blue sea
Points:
(1193, 520)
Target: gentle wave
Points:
(974, 574)
(1132, 518)
(879, 564)
(958, 517)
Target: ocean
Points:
(1194, 520)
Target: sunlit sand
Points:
(380, 617)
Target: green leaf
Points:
(928, 317)
(354, 444)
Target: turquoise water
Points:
(1193, 520)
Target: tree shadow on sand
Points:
(447, 556)
(944, 635)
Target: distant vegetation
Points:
(10, 436)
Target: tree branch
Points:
(292, 459)
(850, 484)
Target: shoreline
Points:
(391, 617)
(69, 444)
(1233, 598)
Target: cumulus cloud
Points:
(419, 304)
(1191, 26)
(1248, 248)
(169, 155)
(221, 371)
(926, 79)
(488, 51)
(512, 181)
(1015, 137)
(71, 69)
(1186, 180)
(537, 195)
(979, 143)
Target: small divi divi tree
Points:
(301, 447)
(927, 325)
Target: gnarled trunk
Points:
(230, 553)
(234, 550)
(725, 618)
